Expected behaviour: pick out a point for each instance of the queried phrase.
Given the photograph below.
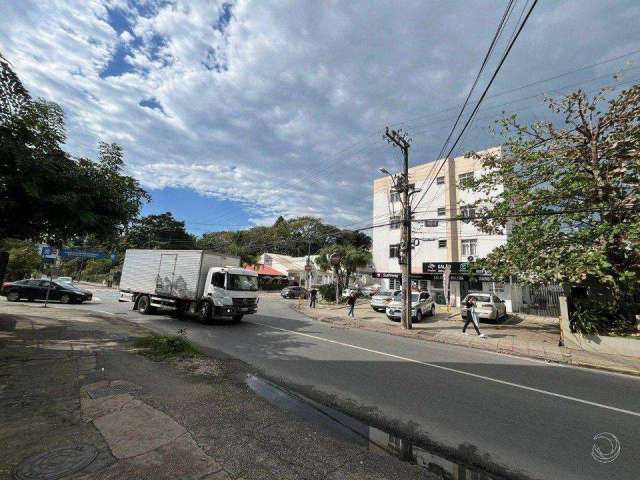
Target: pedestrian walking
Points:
(313, 294)
(472, 316)
(351, 302)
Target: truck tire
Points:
(144, 305)
(204, 312)
(237, 318)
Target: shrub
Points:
(328, 292)
(161, 346)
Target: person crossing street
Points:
(472, 317)
(351, 302)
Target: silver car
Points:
(488, 306)
(421, 304)
(381, 300)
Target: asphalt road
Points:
(531, 419)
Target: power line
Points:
(484, 93)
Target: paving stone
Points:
(137, 429)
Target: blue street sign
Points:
(94, 255)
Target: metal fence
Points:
(537, 300)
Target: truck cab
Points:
(232, 291)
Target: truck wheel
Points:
(204, 314)
(237, 318)
(144, 305)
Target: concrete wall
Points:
(594, 343)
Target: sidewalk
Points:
(521, 335)
(78, 401)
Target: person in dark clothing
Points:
(472, 317)
(351, 302)
(313, 295)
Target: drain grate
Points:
(118, 389)
(56, 464)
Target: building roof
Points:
(265, 270)
(291, 264)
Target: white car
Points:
(488, 306)
(381, 300)
(421, 304)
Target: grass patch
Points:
(162, 346)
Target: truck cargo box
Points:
(170, 273)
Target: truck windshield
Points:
(243, 282)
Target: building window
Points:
(440, 180)
(463, 177)
(469, 247)
(431, 223)
(442, 211)
(467, 212)
(394, 284)
(395, 221)
(394, 250)
(442, 244)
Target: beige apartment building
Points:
(439, 241)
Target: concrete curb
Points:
(565, 358)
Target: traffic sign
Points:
(335, 258)
(72, 252)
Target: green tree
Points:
(159, 232)
(24, 258)
(44, 192)
(352, 258)
(570, 199)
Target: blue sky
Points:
(232, 113)
(197, 211)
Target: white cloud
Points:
(281, 109)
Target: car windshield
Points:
(64, 280)
(243, 282)
(385, 293)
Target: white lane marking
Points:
(103, 311)
(460, 372)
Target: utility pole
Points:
(400, 139)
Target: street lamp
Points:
(385, 171)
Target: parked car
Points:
(381, 300)
(37, 290)
(488, 306)
(368, 291)
(293, 292)
(421, 304)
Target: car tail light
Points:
(6, 284)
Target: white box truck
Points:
(200, 282)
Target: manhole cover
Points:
(56, 464)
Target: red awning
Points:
(266, 270)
